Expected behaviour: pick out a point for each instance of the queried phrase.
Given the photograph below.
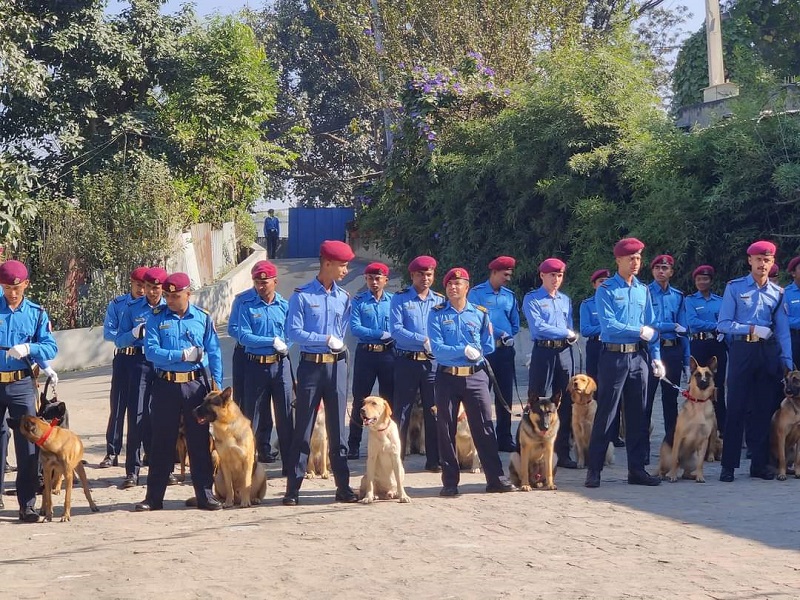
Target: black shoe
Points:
(2, 504)
(29, 515)
(111, 460)
(352, 453)
(271, 457)
(346, 495)
(130, 482)
(507, 447)
(567, 463)
(433, 468)
(619, 443)
(290, 499)
(726, 475)
(210, 502)
(592, 479)
(449, 491)
(762, 473)
(9, 468)
(172, 480)
(749, 454)
(647, 462)
(790, 471)
(501, 486)
(146, 506)
(643, 478)
(145, 460)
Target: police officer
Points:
(460, 336)
(369, 323)
(414, 368)
(317, 320)
(760, 347)
(627, 326)
(671, 326)
(130, 353)
(702, 312)
(791, 299)
(272, 230)
(774, 272)
(503, 309)
(25, 336)
(268, 376)
(549, 315)
(119, 378)
(180, 341)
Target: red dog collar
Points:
(47, 433)
(691, 398)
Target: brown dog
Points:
(319, 462)
(60, 451)
(534, 465)
(581, 389)
(415, 435)
(240, 479)
(466, 452)
(784, 436)
(695, 425)
(385, 474)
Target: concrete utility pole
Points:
(377, 30)
(718, 88)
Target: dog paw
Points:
(672, 478)
(244, 504)
(326, 475)
(309, 475)
(255, 501)
(475, 470)
(552, 486)
(368, 499)
(95, 508)
(700, 479)
(782, 477)
(64, 519)
(525, 488)
(227, 504)
(405, 500)
(581, 465)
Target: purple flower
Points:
(368, 32)
(431, 136)
(401, 65)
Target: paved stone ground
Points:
(722, 541)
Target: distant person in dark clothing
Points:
(272, 231)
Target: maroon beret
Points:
(773, 270)
(138, 273)
(598, 274)
(456, 273)
(703, 270)
(336, 250)
(155, 275)
(762, 247)
(662, 259)
(177, 282)
(263, 269)
(422, 263)
(502, 263)
(376, 268)
(552, 265)
(793, 264)
(627, 247)
(13, 272)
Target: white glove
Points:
(659, 370)
(687, 372)
(572, 337)
(472, 353)
(50, 372)
(647, 333)
(19, 351)
(427, 346)
(192, 354)
(679, 328)
(386, 336)
(335, 343)
(720, 337)
(138, 331)
(760, 330)
(507, 341)
(279, 345)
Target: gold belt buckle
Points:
(7, 376)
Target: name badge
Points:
(165, 326)
(448, 322)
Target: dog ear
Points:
(692, 364)
(591, 386)
(227, 393)
(556, 399)
(712, 364)
(388, 412)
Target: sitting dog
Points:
(534, 464)
(785, 432)
(465, 446)
(239, 479)
(319, 462)
(61, 452)
(695, 425)
(415, 435)
(385, 473)
(182, 452)
(581, 389)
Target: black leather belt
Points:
(375, 347)
(325, 357)
(750, 338)
(264, 359)
(668, 343)
(179, 376)
(12, 376)
(622, 348)
(593, 338)
(703, 335)
(130, 350)
(421, 356)
(550, 343)
(459, 371)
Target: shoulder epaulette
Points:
(34, 305)
(439, 307)
(120, 298)
(438, 294)
(202, 310)
(482, 308)
(298, 290)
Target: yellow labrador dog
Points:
(582, 389)
(385, 474)
(466, 453)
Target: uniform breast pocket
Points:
(746, 300)
(170, 339)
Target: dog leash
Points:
(499, 394)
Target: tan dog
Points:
(465, 446)
(695, 425)
(582, 389)
(415, 435)
(319, 462)
(385, 474)
(534, 465)
(182, 451)
(60, 451)
(784, 439)
(240, 479)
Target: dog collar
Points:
(40, 442)
(691, 398)
(387, 426)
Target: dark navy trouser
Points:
(593, 347)
(137, 398)
(118, 405)
(269, 385)
(502, 363)
(411, 376)
(17, 399)
(368, 367)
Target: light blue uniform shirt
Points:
(450, 331)
(744, 303)
(702, 313)
(113, 315)
(370, 317)
(549, 317)
(590, 324)
(408, 318)
(19, 326)
(623, 310)
(261, 322)
(502, 307)
(669, 310)
(314, 314)
(136, 312)
(791, 298)
(167, 335)
(233, 320)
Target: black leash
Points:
(499, 394)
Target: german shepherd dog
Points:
(182, 452)
(784, 436)
(581, 389)
(466, 453)
(240, 479)
(415, 435)
(61, 452)
(319, 461)
(694, 428)
(534, 465)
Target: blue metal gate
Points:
(309, 227)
